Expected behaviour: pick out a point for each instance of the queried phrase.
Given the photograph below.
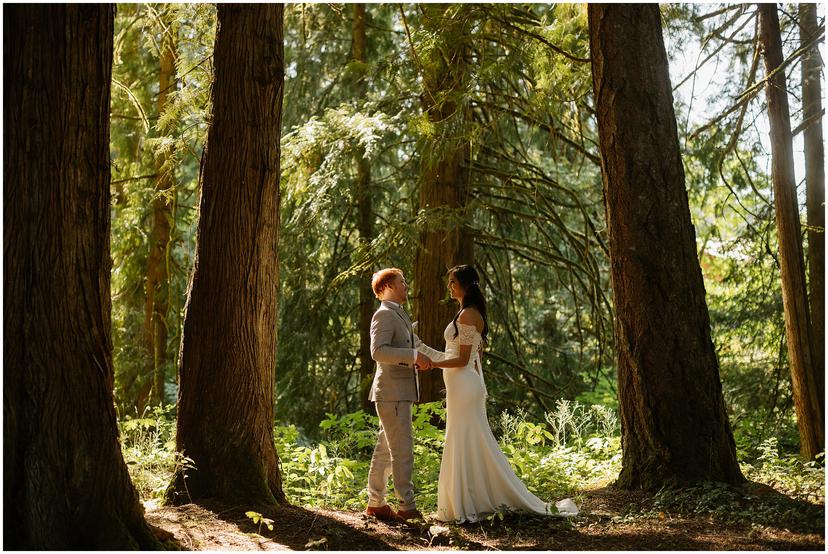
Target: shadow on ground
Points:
(209, 526)
(610, 519)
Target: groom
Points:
(396, 386)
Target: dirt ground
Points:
(610, 519)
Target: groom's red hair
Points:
(383, 278)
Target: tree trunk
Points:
(674, 425)
(163, 203)
(815, 186)
(366, 222)
(791, 262)
(444, 185)
(65, 482)
(228, 354)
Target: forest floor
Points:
(610, 519)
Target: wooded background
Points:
(414, 143)
(655, 252)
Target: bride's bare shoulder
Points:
(470, 316)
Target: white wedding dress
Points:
(475, 477)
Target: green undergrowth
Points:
(574, 449)
(554, 458)
(752, 504)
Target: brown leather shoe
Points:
(384, 513)
(405, 515)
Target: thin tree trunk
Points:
(444, 183)
(366, 221)
(228, 348)
(815, 186)
(791, 261)
(674, 427)
(163, 204)
(65, 482)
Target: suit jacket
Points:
(392, 346)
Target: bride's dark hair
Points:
(466, 276)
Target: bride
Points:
(475, 477)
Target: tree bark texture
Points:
(163, 216)
(815, 187)
(791, 262)
(674, 425)
(365, 210)
(228, 348)
(66, 485)
(444, 186)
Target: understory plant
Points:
(575, 448)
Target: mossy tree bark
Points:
(791, 261)
(228, 348)
(674, 425)
(444, 182)
(66, 485)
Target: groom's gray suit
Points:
(395, 388)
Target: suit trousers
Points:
(393, 455)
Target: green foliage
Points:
(148, 447)
(730, 197)
(522, 106)
(312, 476)
(259, 519)
(139, 136)
(334, 472)
(577, 447)
(756, 506)
(574, 448)
(787, 473)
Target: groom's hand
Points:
(423, 362)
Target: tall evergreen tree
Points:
(791, 262)
(65, 482)
(444, 179)
(674, 425)
(815, 189)
(365, 210)
(228, 349)
(163, 216)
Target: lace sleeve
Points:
(467, 334)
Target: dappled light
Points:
(383, 276)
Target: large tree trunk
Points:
(791, 262)
(163, 204)
(65, 482)
(366, 222)
(444, 186)
(674, 425)
(815, 186)
(228, 348)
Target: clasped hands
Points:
(423, 362)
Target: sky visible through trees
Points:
(699, 98)
(546, 271)
(650, 246)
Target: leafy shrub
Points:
(318, 475)
(787, 472)
(757, 506)
(148, 446)
(334, 473)
(574, 448)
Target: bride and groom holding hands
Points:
(475, 476)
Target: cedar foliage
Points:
(534, 205)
